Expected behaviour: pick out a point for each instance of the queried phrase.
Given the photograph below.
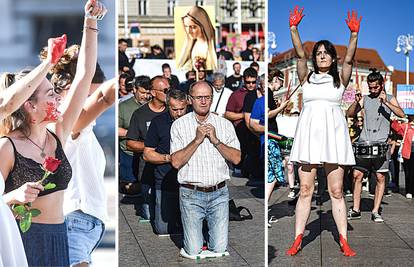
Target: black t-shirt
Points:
(138, 127)
(247, 55)
(174, 82)
(249, 100)
(158, 137)
(185, 86)
(123, 61)
(233, 83)
(272, 124)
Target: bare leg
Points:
(269, 189)
(358, 175)
(379, 191)
(307, 185)
(335, 176)
(290, 172)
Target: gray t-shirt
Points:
(138, 127)
(376, 121)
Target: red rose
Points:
(51, 164)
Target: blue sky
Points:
(382, 22)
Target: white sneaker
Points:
(409, 196)
(203, 254)
(291, 194)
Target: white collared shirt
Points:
(220, 100)
(206, 167)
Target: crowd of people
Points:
(253, 52)
(178, 140)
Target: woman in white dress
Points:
(321, 138)
(11, 247)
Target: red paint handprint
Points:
(295, 17)
(353, 22)
(58, 46)
(52, 114)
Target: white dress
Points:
(322, 133)
(11, 246)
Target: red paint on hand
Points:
(353, 22)
(58, 47)
(295, 17)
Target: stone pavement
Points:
(377, 244)
(139, 246)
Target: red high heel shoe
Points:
(345, 248)
(294, 249)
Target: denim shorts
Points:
(46, 245)
(85, 232)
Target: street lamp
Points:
(271, 40)
(405, 43)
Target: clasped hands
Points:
(352, 21)
(206, 130)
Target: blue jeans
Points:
(196, 206)
(148, 204)
(167, 212)
(85, 232)
(126, 173)
(46, 244)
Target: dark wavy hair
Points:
(333, 70)
(375, 76)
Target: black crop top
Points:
(27, 170)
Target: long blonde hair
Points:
(199, 16)
(18, 120)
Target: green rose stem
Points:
(25, 212)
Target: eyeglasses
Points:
(165, 90)
(201, 97)
(250, 82)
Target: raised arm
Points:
(85, 70)
(96, 104)
(294, 20)
(16, 94)
(353, 24)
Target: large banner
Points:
(195, 40)
(405, 97)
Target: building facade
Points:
(154, 21)
(364, 60)
(27, 24)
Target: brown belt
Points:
(205, 189)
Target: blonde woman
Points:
(199, 43)
(29, 142)
(11, 247)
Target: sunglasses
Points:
(58, 90)
(250, 82)
(165, 90)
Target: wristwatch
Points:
(167, 157)
(217, 144)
